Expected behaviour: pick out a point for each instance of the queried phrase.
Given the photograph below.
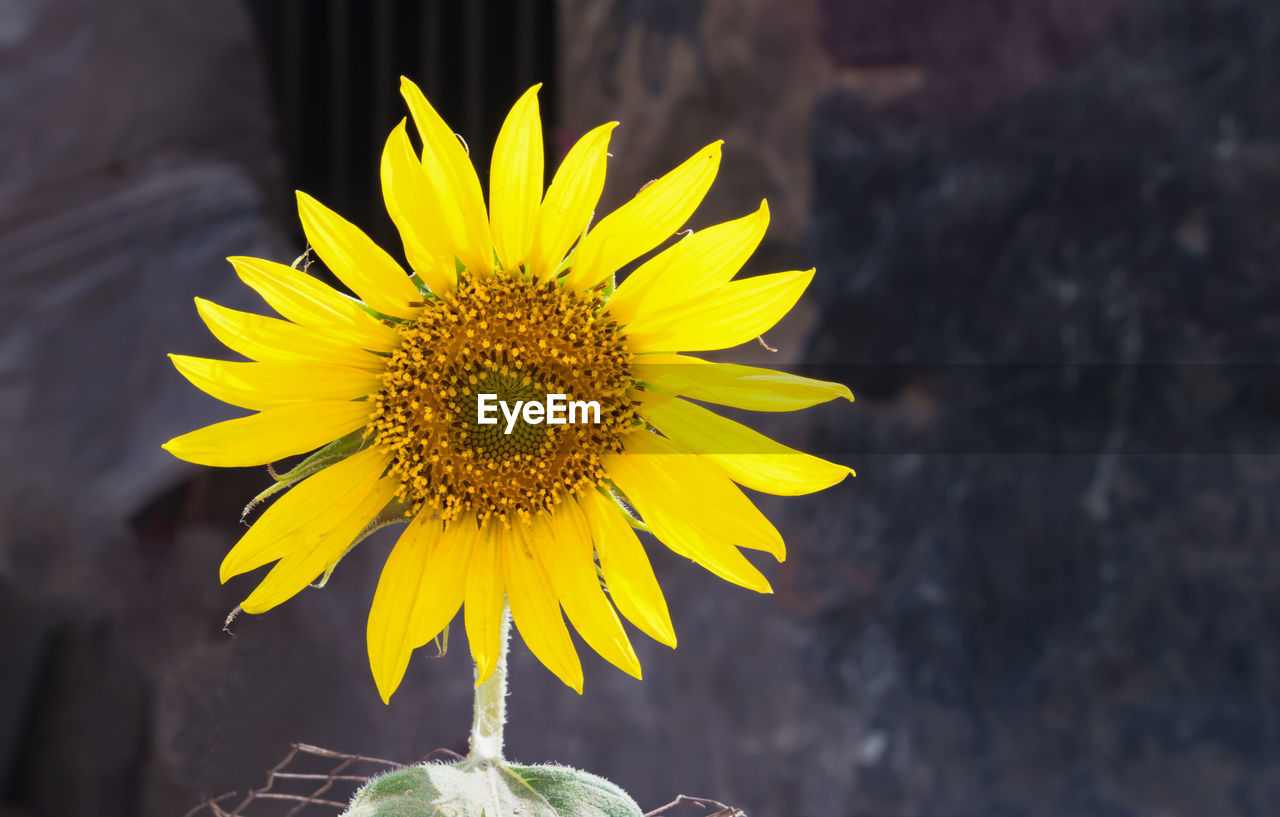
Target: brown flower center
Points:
(517, 341)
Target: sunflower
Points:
(515, 303)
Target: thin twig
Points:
(300, 776)
(317, 750)
(271, 779)
(328, 784)
(213, 803)
(700, 802)
(304, 800)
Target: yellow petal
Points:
(566, 209)
(319, 502)
(391, 611)
(733, 314)
(454, 180)
(627, 572)
(661, 487)
(271, 339)
(729, 384)
(419, 593)
(745, 455)
(418, 213)
(317, 547)
(262, 385)
(564, 541)
(697, 264)
(710, 501)
(444, 584)
(484, 592)
(535, 610)
(515, 181)
(308, 302)
(357, 260)
(270, 435)
(646, 221)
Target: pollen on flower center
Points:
(520, 341)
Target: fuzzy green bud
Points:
(491, 788)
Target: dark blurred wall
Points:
(1063, 590)
(1030, 602)
(1053, 589)
(136, 152)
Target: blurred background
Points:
(1048, 241)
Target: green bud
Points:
(489, 788)
(577, 793)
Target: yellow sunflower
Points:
(516, 303)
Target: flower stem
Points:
(490, 715)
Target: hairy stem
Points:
(490, 715)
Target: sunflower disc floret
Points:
(519, 340)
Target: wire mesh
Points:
(311, 781)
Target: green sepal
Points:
(422, 287)
(322, 458)
(389, 320)
(319, 460)
(390, 515)
(615, 495)
(441, 642)
(490, 788)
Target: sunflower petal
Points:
(321, 501)
(729, 384)
(711, 500)
(444, 583)
(483, 610)
(515, 181)
(391, 611)
(357, 261)
(535, 610)
(733, 314)
(744, 454)
(662, 487)
(262, 385)
(418, 213)
(309, 302)
(697, 264)
(572, 197)
(627, 572)
(270, 435)
(419, 593)
(565, 543)
(271, 339)
(318, 547)
(454, 179)
(646, 221)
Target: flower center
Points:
(517, 341)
